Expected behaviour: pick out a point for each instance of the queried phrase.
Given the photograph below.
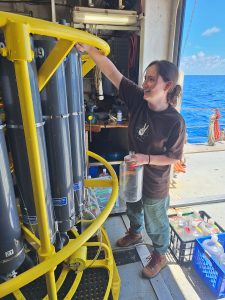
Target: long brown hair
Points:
(169, 72)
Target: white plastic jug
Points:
(213, 247)
(222, 261)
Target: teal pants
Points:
(151, 213)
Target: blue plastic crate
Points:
(208, 269)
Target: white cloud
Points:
(201, 54)
(210, 31)
(203, 64)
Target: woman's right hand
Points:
(104, 64)
(83, 47)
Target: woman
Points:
(156, 133)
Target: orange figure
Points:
(179, 166)
(217, 132)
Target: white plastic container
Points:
(119, 117)
(213, 247)
(103, 193)
(131, 182)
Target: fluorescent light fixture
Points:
(85, 15)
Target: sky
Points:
(203, 42)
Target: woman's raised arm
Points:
(104, 64)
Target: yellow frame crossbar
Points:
(46, 28)
(17, 30)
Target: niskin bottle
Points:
(214, 248)
(131, 182)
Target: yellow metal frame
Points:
(17, 30)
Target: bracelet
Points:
(149, 159)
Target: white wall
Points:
(157, 32)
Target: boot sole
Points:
(132, 244)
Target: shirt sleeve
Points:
(175, 143)
(130, 92)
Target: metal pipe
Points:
(53, 10)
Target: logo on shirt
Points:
(142, 132)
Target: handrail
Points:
(55, 259)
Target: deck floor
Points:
(202, 187)
(204, 179)
(173, 282)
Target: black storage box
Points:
(182, 250)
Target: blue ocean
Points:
(201, 94)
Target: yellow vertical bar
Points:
(27, 111)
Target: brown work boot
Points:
(129, 239)
(156, 264)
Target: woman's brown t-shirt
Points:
(156, 133)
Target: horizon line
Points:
(204, 74)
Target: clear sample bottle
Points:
(211, 227)
(131, 181)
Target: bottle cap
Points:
(214, 238)
(127, 157)
(211, 221)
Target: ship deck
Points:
(201, 188)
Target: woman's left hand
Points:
(138, 159)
